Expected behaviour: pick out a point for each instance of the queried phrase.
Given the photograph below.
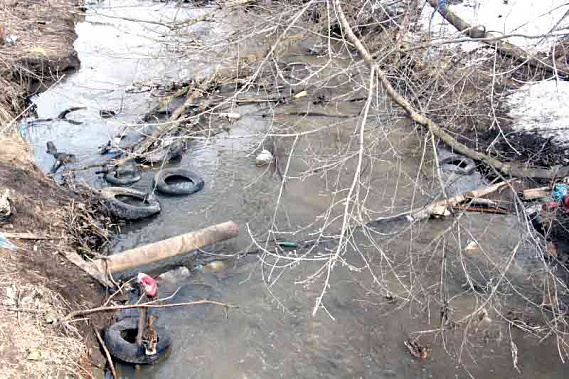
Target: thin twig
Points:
(85, 312)
(107, 354)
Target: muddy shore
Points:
(35, 276)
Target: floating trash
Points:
(11, 39)
(560, 191)
(264, 158)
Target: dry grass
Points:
(31, 346)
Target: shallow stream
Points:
(360, 329)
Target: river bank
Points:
(38, 284)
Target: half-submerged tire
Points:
(118, 339)
(122, 180)
(124, 175)
(149, 205)
(457, 163)
(195, 182)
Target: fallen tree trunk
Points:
(504, 168)
(167, 248)
(504, 47)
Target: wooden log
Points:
(167, 248)
(536, 193)
(29, 236)
(440, 208)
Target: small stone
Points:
(176, 275)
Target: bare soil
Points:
(38, 285)
(39, 206)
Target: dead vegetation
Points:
(37, 279)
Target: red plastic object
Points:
(551, 205)
(148, 284)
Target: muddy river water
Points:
(392, 279)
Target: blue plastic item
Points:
(6, 244)
(560, 191)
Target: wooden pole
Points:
(167, 248)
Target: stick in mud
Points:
(107, 354)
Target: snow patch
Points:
(542, 107)
(528, 17)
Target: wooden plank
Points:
(536, 193)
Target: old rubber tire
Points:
(128, 351)
(458, 164)
(127, 211)
(123, 180)
(163, 175)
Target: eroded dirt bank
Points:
(38, 285)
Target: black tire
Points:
(163, 175)
(127, 351)
(123, 180)
(458, 163)
(127, 211)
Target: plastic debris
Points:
(11, 39)
(290, 244)
(264, 158)
(50, 318)
(39, 50)
(471, 246)
(35, 355)
(6, 244)
(199, 268)
(560, 191)
(230, 116)
(176, 275)
(300, 94)
(148, 284)
(215, 266)
(5, 208)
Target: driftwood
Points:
(503, 47)
(29, 236)
(107, 354)
(85, 312)
(536, 193)
(504, 168)
(441, 207)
